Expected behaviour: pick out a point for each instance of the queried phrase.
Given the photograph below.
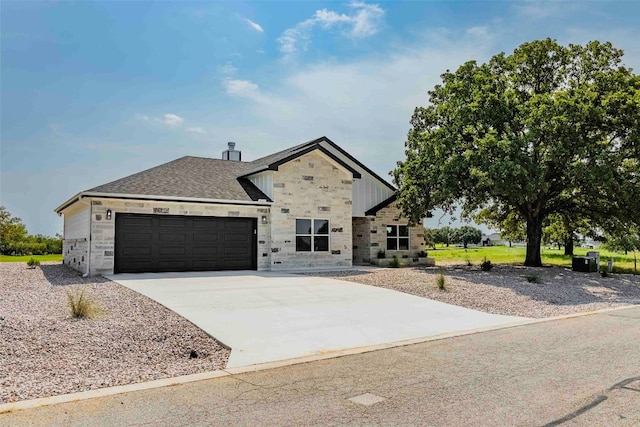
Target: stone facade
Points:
(371, 235)
(103, 229)
(361, 240)
(74, 254)
(311, 186)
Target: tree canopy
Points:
(14, 238)
(549, 129)
(465, 235)
(11, 228)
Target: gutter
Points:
(79, 196)
(88, 270)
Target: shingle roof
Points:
(205, 178)
(280, 155)
(189, 177)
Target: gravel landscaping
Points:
(505, 290)
(45, 352)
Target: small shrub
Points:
(532, 278)
(82, 307)
(395, 262)
(381, 254)
(604, 271)
(33, 263)
(468, 261)
(486, 265)
(422, 254)
(441, 282)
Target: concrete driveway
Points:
(267, 316)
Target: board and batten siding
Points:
(264, 181)
(367, 191)
(76, 224)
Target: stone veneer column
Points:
(312, 186)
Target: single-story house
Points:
(312, 205)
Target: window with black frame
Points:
(397, 237)
(312, 235)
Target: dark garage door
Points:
(156, 243)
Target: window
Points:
(312, 235)
(397, 238)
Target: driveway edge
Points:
(185, 379)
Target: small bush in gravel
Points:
(468, 260)
(441, 282)
(82, 307)
(532, 278)
(486, 265)
(381, 254)
(33, 263)
(395, 262)
(604, 271)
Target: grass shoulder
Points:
(515, 256)
(26, 258)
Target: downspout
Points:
(88, 269)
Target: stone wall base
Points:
(74, 254)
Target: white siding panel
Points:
(367, 191)
(76, 225)
(264, 181)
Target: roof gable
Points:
(215, 180)
(273, 161)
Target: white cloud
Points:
(172, 120)
(197, 130)
(254, 25)
(244, 88)
(362, 104)
(536, 9)
(227, 69)
(364, 20)
(367, 19)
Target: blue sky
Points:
(93, 91)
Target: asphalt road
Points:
(577, 371)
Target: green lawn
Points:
(506, 255)
(41, 258)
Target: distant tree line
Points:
(15, 240)
(464, 236)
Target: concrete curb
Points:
(185, 379)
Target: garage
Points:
(165, 243)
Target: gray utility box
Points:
(595, 255)
(584, 263)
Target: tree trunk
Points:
(534, 238)
(568, 246)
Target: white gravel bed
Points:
(45, 352)
(504, 290)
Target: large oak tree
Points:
(549, 129)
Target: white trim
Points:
(163, 198)
(312, 235)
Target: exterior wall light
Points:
(264, 219)
(108, 213)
